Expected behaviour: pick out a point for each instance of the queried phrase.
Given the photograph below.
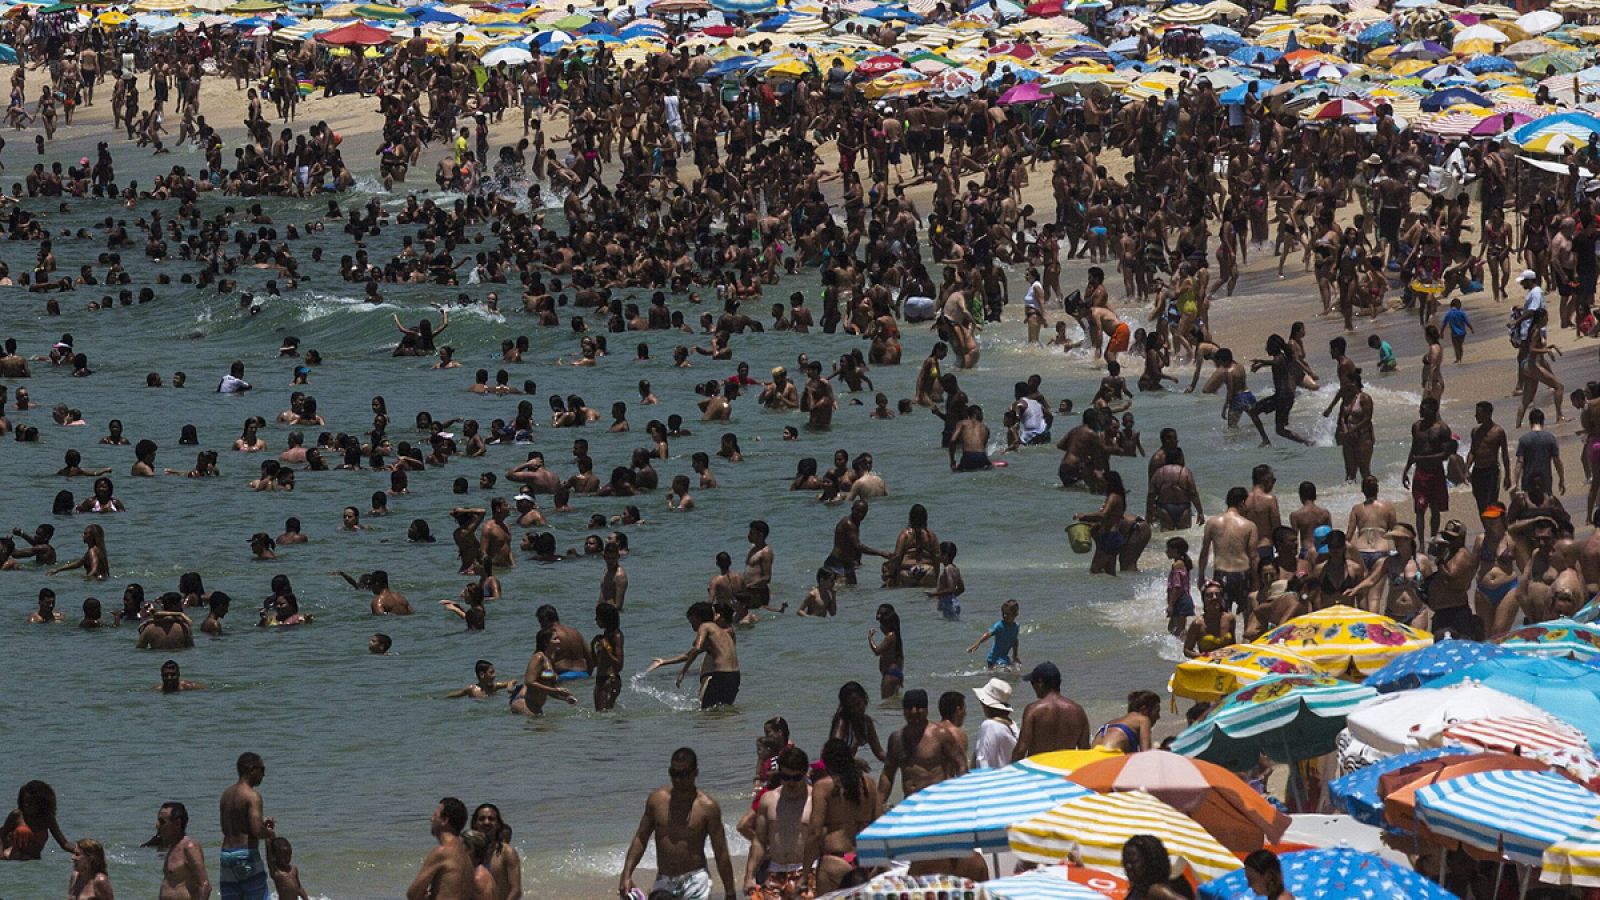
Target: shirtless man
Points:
(757, 589)
(244, 827)
(614, 583)
(922, 753)
(1051, 722)
(1234, 538)
(1489, 457)
(681, 818)
(1261, 507)
(533, 476)
(495, 538)
(1230, 377)
(1430, 493)
(1536, 594)
(781, 393)
(719, 673)
(783, 838)
(1449, 591)
(1308, 518)
(1174, 497)
(1085, 455)
(971, 437)
(845, 557)
(572, 651)
(183, 869)
(446, 872)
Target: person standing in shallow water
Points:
(244, 827)
(681, 819)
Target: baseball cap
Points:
(1045, 671)
(914, 699)
(1528, 275)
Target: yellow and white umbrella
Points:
(1186, 14)
(1554, 143)
(1217, 674)
(1575, 859)
(1097, 825)
(1343, 638)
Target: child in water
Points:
(950, 587)
(1180, 602)
(1006, 650)
(285, 877)
(1386, 361)
(822, 600)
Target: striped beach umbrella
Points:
(1095, 827)
(955, 817)
(1358, 793)
(1334, 873)
(1212, 676)
(1559, 637)
(1342, 638)
(1575, 859)
(1288, 717)
(1514, 734)
(1048, 883)
(1062, 763)
(1517, 813)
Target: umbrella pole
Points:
(1498, 868)
(1441, 865)
(1527, 872)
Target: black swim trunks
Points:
(719, 689)
(1235, 589)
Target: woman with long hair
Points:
(94, 562)
(851, 723)
(843, 802)
(1108, 528)
(89, 878)
(32, 824)
(890, 651)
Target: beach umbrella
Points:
(1232, 96)
(887, 13)
(1342, 638)
(510, 55)
(1254, 55)
(1492, 126)
(1419, 667)
(956, 83)
(1556, 62)
(882, 64)
(1421, 50)
(1485, 63)
(1541, 738)
(1358, 792)
(1539, 21)
(1094, 827)
(1334, 873)
(1575, 859)
(1023, 93)
(1559, 637)
(358, 34)
(745, 6)
(1563, 688)
(1341, 108)
(1517, 813)
(733, 65)
(1479, 32)
(1213, 675)
(1579, 125)
(1399, 787)
(955, 817)
(1288, 717)
(1228, 808)
(1044, 9)
(1455, 96)
(1062, 763)
(1409, 720)
(899, 884)
(1047, 883)
(1186, 14)
(1377, 34)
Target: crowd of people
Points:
(671, 186)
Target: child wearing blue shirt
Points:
(1386, 361)
(1005, 632)
(1456, 320)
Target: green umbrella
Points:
(250, 7)
(1287, 717)
(572, 22)
(1564, 62)
(382, 13)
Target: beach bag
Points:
(1078, 535)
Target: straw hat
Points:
(1402, 530)
(995, 695)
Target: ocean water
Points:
(360, 748)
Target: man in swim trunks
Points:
(781, 830)
(244, 827)
(972, 436)
(1086, 456)
(1237, 399)
(681, 818)
(1430, 492)
(847, 551)
(1233, 537)
(713, 637)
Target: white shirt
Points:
(1032, 424)
(1535, 301)
(996, 739)
(232, 385)
(1035, 296)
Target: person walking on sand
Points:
(681, 818)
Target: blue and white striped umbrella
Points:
(1420, 667)
(955, 817)
(1357, 793)
(1519, 813)
(1049, 883)
(745, 6)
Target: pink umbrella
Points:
(1497, 124)
(1023, 93)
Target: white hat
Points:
(525, 496)
(1528, 275)
(995, 695)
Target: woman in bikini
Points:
(606, 648)
(916, 557)
(843, 802)
(1354, 433)
(1131, 733)
(1108, 528)
(540, 681)
(890, 651)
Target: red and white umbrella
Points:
(880, 65)
(1512, 734)
(1342, 108)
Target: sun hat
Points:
(995, 695)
